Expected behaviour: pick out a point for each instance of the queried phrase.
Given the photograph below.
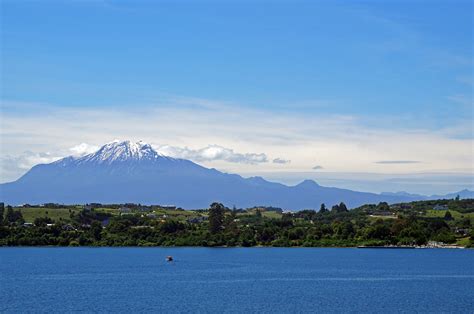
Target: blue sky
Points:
(384, 70)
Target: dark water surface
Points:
(236, 280)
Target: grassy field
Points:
(463, 241)
(375, 217)
(30, 213)
(266, 214)
(113, 211)
(180, 215)
(456, 215)
(271, 214)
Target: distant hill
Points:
(462, 194)
(121, 172)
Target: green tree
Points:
(323, 208)
(42, 221)
(465, 223)
(296, 233)
(343, 207)
(344, 230)
(378, 231)
(96, 230)
(2, 212)
(171, 226)
(9, 215)
(13, 216)
(216, 217)
(267, 235)
(339, 208)
(448, 216)
(383, 206)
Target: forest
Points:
(412, 224)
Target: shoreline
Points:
(452, 247)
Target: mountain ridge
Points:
(124, 172)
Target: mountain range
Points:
(128, 172)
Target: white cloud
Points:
(394, 162)
(281, 161)
(11, 167)
(28, 158)
(212, 153)
(83, 149)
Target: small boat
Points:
(169, 258)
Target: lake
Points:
(265, 280)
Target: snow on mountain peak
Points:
(122, 151)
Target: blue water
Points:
(262, 280)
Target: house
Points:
(435, 244)
(68, 227)
(91, 206)
(440, 207)
(124, 209)
(462, 231)
(383, 213)
(169, 207)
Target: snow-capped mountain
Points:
(122, 172)
(117, 151)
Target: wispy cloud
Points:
(281, 161)
(28, 158)
(212, 153)
(83, 149)
(317, 167)
(11, 167)
(398, 162)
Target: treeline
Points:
(226, 227)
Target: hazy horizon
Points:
(416, 183)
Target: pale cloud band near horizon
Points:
(238, 140)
